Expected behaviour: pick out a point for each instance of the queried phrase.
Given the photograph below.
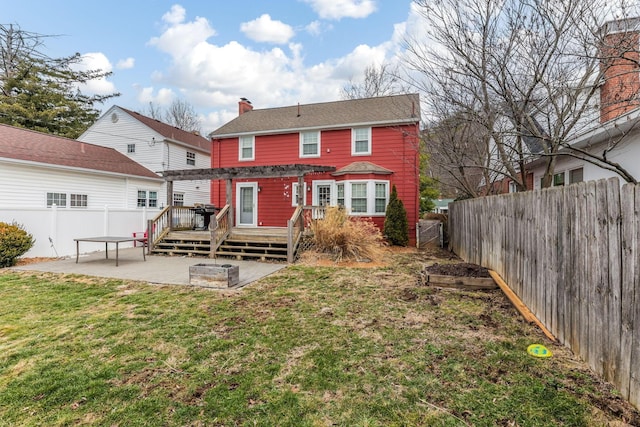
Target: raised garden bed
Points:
(214, 275)
(459, 276)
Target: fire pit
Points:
(214, 275)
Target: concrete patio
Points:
(173, 270)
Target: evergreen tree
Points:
(41, 93)
(396, 225)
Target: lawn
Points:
(307, 346)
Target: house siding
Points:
(26, 186)
(111, 205)
(152, 151)
(625, 154)
(394, 148)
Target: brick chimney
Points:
(620, 56)
(244, 106)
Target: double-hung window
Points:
(361, 141)
(58, 199)
(191, 158)
(310, 144)
(246, 148)
(296, 191)
(359, 197)
(380, 197)
(78, 201)
(576, 175)
(147, 199)
(340, 194)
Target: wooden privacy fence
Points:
(572, 254)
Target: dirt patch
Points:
(34, 260)
(317, 259)
(461, 269)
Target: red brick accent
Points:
(621, 88)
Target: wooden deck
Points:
(243, 242)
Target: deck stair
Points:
(264, 243)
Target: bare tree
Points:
(458, 157)
(526, 71)
(179, 113)
(378, 81)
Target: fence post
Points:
(53, 229)
(105, 226)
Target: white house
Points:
(156, 146)
(59, 189)
(615, 128)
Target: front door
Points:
(247, 203)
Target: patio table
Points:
(109, 239)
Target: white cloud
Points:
(265, 29)
(175, 16)
(316, 28)
(162, 97)
(338, 9)
(213, 77)
(95, 61)
(125, 64)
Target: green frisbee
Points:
(538, 350)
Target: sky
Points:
(210, 53)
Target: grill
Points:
(205, 211)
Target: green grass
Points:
(304, 347)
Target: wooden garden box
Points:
(214, 275)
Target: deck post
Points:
(170, 203)
(229, 191)
(301, 190)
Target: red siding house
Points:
(372, 143)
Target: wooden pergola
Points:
(243, 172)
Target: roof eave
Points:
(308, 128)
(78, 169)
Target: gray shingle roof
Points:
(397, 109)
(24, 144)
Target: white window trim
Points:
(147, 198)
(386, 197)
(294, 195)
(253, 148)
(59, 194)
(371, 195)
(301, 151)
(86, 198)
(318, 183)
(254, 219)
(353, 143)
(191, 157)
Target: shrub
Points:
(347, 238)
(14, 242)
(396, 225)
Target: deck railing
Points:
(221, 230)
(300, 221)
(295, 228)
(170, 218)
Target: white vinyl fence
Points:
(55, 228)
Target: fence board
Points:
(627, 292)
(572, 255)
(613, 309)
(634, 310)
